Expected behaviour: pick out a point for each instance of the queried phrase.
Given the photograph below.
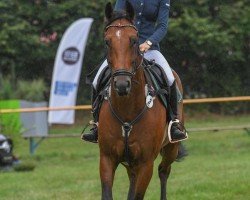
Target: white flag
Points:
(67, 71)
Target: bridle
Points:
(121, 26)
(126, 126)
(136, 65)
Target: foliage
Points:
(208, 45)
(10, 124)
(30, 90)
(207, 42)
(7, 91)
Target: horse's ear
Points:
(130, 10)
(108, 11)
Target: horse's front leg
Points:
(139, 180)
(107, 172)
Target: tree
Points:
(28, 25)
(207, 43)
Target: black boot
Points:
(176, 129)
(92, 135)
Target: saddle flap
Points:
(158, 73)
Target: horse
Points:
(130, 132)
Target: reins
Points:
(126, 126)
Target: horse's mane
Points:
(118, 14)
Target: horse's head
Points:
(121, 38)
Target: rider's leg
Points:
(92, 135)
(160, 60)
(104, 64)
(176, 130)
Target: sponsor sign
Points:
(67, 70)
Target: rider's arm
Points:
(162, 22)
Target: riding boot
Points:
(92, 135)
(176, 129)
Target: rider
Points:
(151, 20)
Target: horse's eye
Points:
(107, 42)
(133, 41)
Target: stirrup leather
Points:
(91, 123)
(169, 131)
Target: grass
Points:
(218, 167)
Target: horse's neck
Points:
(129, 106)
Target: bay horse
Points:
(129, 132)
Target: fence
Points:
(34, 144)
(88, 107)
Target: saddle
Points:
(155, 78)
(158, 79)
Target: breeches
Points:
(149, 55)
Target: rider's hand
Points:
(144, 47)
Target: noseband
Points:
(123, 72)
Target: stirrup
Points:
(169, 131)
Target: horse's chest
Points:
(139, 148)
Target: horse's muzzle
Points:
(122, 85)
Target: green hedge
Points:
(10, 123)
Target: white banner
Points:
(67, 69)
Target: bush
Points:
(31, 91)
(6, 91)
(27, 90)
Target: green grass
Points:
(218, 167)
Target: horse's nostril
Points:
(122, 86)
(128, 82)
